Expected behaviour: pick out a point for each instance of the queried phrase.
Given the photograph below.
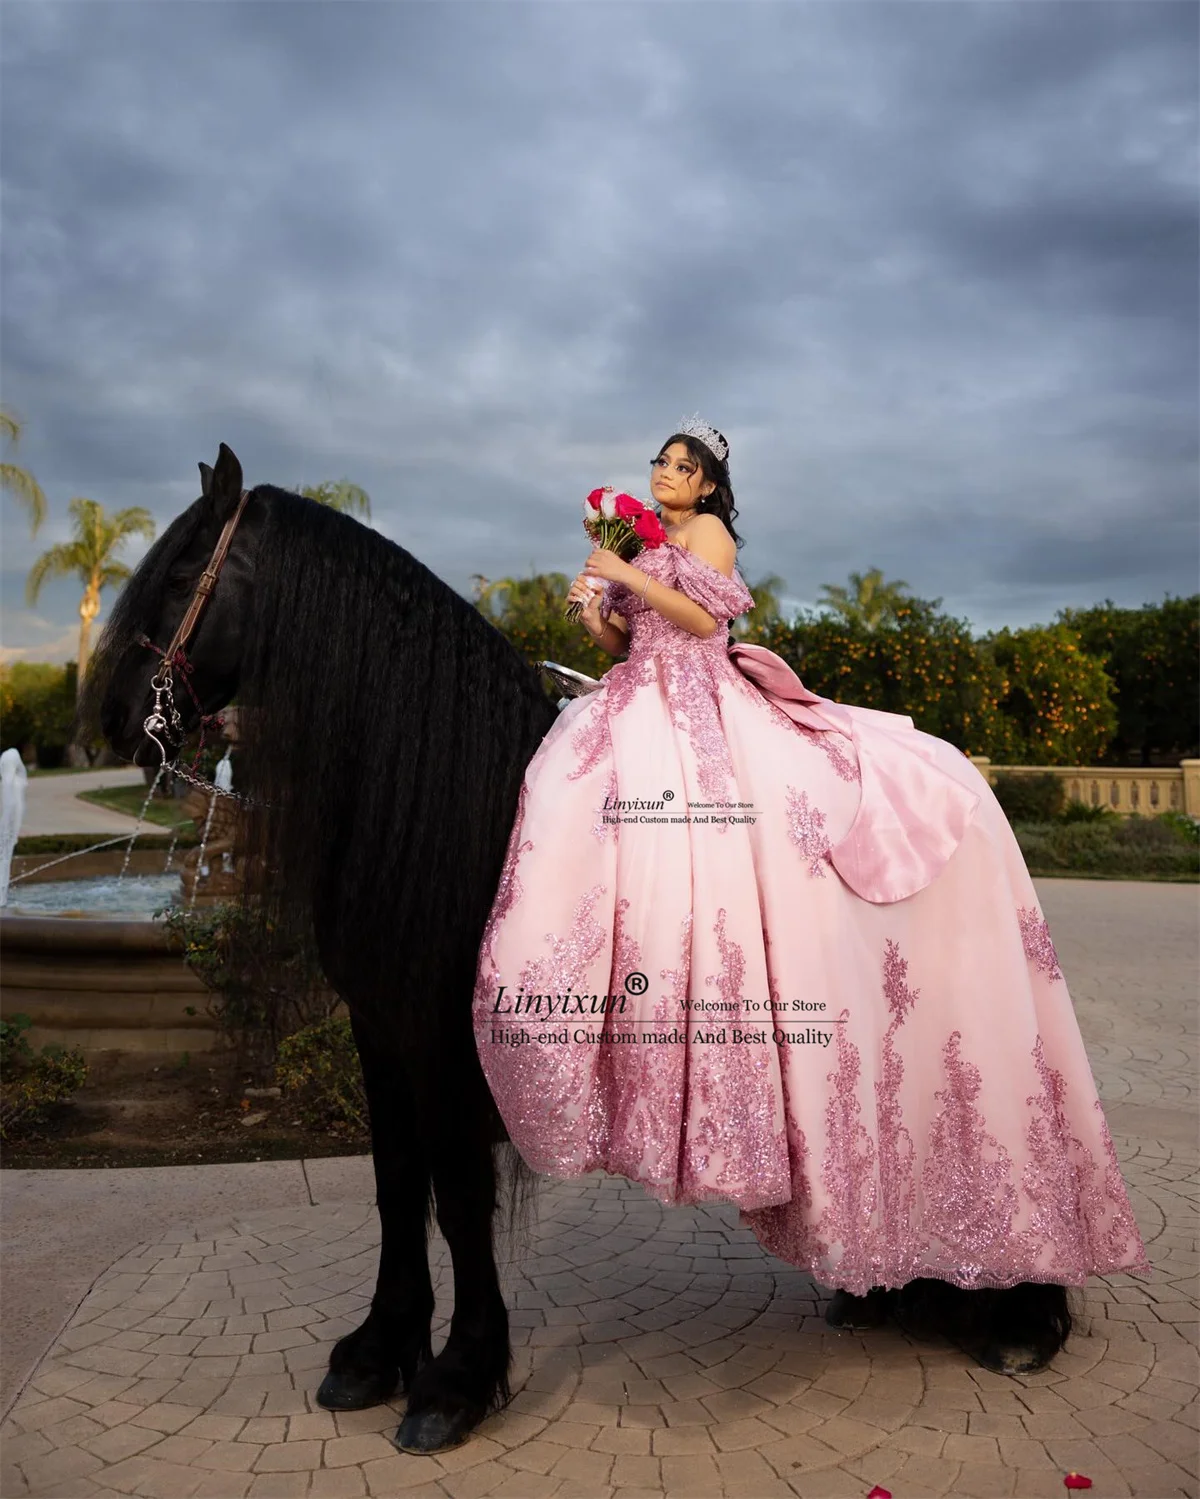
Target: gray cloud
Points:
(932, 268)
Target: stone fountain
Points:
(80, 951)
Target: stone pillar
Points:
(983, 764)
(1191, 786)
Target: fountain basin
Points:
(104, 861)
(101, 984)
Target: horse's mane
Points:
(388, 725)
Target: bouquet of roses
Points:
(618, 523)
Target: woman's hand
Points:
(607, 565)
(584, 592)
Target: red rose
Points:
(595, 497)
(650, 529)
(628, 508)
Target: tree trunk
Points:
(89, 607)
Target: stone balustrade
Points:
(1124, 789)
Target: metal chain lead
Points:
(157, 722)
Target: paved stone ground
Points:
(52, 803)
(658, 1351)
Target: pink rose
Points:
(628, 508)
(594, 498)
(650, 529)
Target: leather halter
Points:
(206, 584)
(164, 716)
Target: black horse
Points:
(384, 730)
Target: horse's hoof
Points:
(429, 1431)
(343, 1390)
(849, 1312)
(1002, 1358)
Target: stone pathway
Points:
(659, 1351)
(52, 802)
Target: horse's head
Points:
(118, 693)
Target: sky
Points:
(931, 268)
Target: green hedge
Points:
(74, 843)
(1116, 848)
(1038, 798)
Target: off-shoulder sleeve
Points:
(722, 597)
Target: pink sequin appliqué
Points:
(645, 1147)
(1035, 937)
(806, 829)
(736, 1122)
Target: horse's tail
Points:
(517, 1187)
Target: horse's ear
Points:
(226, 488)
(206, 478)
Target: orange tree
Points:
(1057, 697)
(529, 613)
(1152, 655)
(921, 663)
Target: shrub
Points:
(31, 1083)
(319, 1072)
(1188, 828)
(1085, 812)
(259, 1002)
(37, 703)
(1119, 848)
(1033, 798)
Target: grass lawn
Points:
(128, 799)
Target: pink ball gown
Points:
(756, 946)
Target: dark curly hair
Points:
(716, 471)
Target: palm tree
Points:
(869, 601)
(19, 482)
(766, 611)
(91, 556)
(340, 495)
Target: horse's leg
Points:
(391, 1346)
(1026, 1326)
(470, 1375)
(1013, 1330)
(849, 1312)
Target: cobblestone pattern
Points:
(658, 1351)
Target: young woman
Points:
(757, 946)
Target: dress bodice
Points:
(672, 565)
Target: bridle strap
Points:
(208, 581)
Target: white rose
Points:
(608, 505)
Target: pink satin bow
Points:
(912, 814)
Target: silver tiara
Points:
(693, 426)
